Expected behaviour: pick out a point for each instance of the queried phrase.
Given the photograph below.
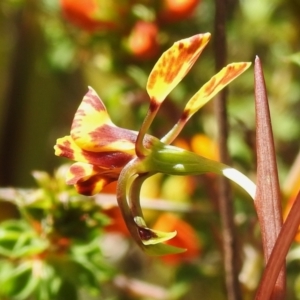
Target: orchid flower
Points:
(106, 153)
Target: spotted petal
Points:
(93, 130)
(205, 94)
(89, 179)
(66, 147)
(214, 85)
(173, 65)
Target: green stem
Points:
(140, 149)
(176, 161)
(174, 132)
(123, 188)
(134, 198)
(128, 184)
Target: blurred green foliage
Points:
(56, 238)
(47, 250)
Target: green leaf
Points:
(6, 268)
(42, 178)
(18, 282)
(10, 233)
(295, 58)
(36, 247)
(162, 249)
(49, 285)
(30, 286)
(17, 239)
(67, 291)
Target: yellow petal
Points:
(93, 130)
(214, 85)
(66, 147)
(173, 65)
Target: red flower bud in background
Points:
(186, 238)
(92, 15)
(117, 224)
(143, 42)
(176, 10)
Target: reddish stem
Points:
(230, 249)
(267, 202)
(280, 250)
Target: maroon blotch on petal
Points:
(94, 100)
(146, 234)
(106, 134)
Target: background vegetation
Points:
(50, 51)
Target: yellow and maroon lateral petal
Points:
(173, 65)
(93, 130)
(214, 85)
(93, 185)
(82, 171)
(205, 94)
(89, 179)
(66, 147)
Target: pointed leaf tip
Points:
(268, 196)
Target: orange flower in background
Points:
(80, 13)
(143, 42)
(186, 238)
(182, 143)
(176, 10)
(117, 224)
(92, 15)
(200, 144)
(205, 146)
(294, 190)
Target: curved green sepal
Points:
(162, 249)
(151, 236)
